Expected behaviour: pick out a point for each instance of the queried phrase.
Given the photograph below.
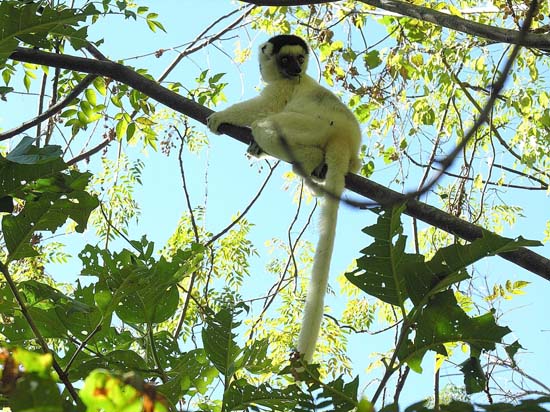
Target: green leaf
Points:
(219, 340)
(33, 362)
(120, 128)
(442, 321)
(372, 59)
(192, 374)
(339, 395)
(34, 393)
(118, 361)
(33, 22)
(255, 359)
(26, 153)
(388, 273)
(381, 270)
(241, 396)
(99, 84)
(105, 392)
(512, 349)
(474, 378)
(4, 90)
(130, 131)
(139, 292)
(91, 96)
(449, 263)
(81, 318)
(153, 305)
(48, 212)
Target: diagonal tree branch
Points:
(56, 108)
(492, 33)
(523, 257)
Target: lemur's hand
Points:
(215, 120)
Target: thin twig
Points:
(289, 231)
(187, 301)
(82, 345)
(79, 88)
(41, 106)
(184, 182)
(400, 384)
(192, 48)
(247, 208)
(92, 151)
(277, 287)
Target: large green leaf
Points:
(117, 361)
(474, 377)
(26, 163)
(47, 213)
(387, 272)
(192, 374)
(82, 317)
(219, 340)
(255, 359)
(50, 195)
(33, 22)
(449, 264)
(42, 302)
(157, 296)
(442, 321)
(35, 393)
(381, 270)
(138, 288)
(339, 395)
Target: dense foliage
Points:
(454, 113)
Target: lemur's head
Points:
(283, 57)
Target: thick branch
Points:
(491, 33)
(522, 257)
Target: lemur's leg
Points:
(293, 137)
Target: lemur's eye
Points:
(301, 59)
(284, 60)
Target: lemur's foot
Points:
(320, 172)
(254, 149)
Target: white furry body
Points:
(297, 120)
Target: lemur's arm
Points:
(245, 113)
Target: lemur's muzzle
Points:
(292, 68)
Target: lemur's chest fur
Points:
(300, 95)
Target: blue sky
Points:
(233, 181)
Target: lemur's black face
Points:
(291, 65)
(283, 57)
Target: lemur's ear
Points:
(267, 49)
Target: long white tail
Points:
(313, 311)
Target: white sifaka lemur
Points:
(297, 120)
